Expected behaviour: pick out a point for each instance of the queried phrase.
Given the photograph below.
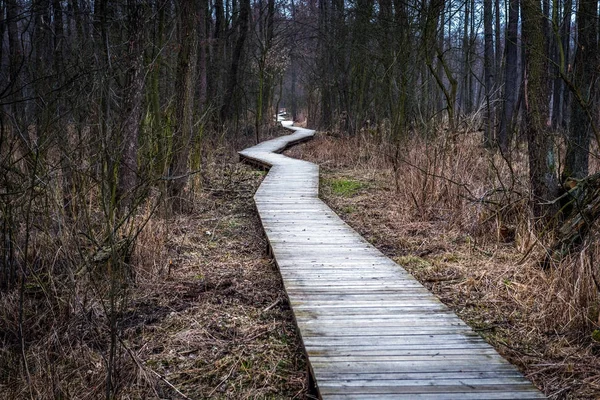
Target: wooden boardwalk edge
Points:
(369, 329)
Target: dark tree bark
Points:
(466, 102)
(131, 109)
(2, 27)
(184, 102)
(155, 59)
(585, 76)
(399, 86)
(265, 80)
(16, 58)
(542, 159)
(59, 38)
(432, 18)
(511, 77)
(202, 59)
(232, 78)
(488, 72)
(325, 65)
(566, 45)
(293, 100)
(217, 50)
(498, 42)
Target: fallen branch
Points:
(169, 384)
(272, 305)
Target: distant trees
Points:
(140, 83)
(103, 109)
(131, 105)
(511, 78)
(103, 105)
(517, 64)
(584, 110)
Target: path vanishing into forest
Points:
(370, 330)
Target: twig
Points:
(272, 305)
(489, 328)
(162, 378)
(145, 368)
(259, 334)
(444, 279)
(223, 381)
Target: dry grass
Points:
(215, 322)
(455, 216)
(199, 309)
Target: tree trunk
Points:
(16, 58)
(3, 19)
(498, 44)
(325, 65)
(202, 60)
(232, 79)
(542, 159)
(585, 75)
(184, 103)
(511, 77)
(131, 109)
(558, 65)
(488, 72)
(217, 66)
(466, 62)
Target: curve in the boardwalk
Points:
(370, 330)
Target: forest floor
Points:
(484, 282)
(217, 323)
(208, 316)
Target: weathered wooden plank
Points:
(476, 387)
(495, 365)
(369, 329)
(406, 321)
(351, 395)
(485, 384)
(384, 351)
(407, 377)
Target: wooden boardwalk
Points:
(370, 330)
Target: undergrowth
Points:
(96, 302)
(456, 216)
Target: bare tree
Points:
(543, 161)
(488, 72)
(184, 101)
(511, 78)
(584, 85)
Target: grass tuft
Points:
(345, 187)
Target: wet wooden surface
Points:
(370, 330)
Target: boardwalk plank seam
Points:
(369, 329)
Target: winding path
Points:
(370, 330)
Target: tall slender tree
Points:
(488, 72)
(542, 157)
(131, 109)
(184, 101)
(511, 77)
(241, 25)
(584, 85)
